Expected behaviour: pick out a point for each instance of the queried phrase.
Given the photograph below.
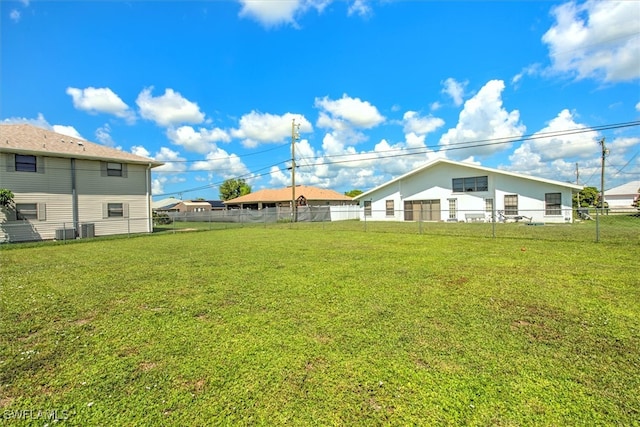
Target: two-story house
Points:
(66, 187)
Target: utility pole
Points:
(295, 136)
(604, 154)
(578, 183)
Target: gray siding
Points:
(51, 189)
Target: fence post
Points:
(364, 214)
(128, 227)
(493, 221)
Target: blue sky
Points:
(378, 87)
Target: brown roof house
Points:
(66, 187)
(281, 197)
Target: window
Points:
(453, 208)
(114, 169)
(476, 183)
(26, 211)
(367, 208)
(29, 211)
(511, 204)
(488, 205)
(553, 204)
(26, 163)
(390, 208)
(115, 210)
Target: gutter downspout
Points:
(74, 198)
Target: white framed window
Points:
(470, 184)
(115, 210)
(553, 204)
(367, 208)
(114, 169)
(511, 204)
(30, 211)
(389, 208)
(453, 208)
(488, 205)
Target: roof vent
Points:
(80, 143)
(61, 140)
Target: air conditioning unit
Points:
(65, 233)
(87, 230)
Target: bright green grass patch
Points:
(304, 325)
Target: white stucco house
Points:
(445, 190)
(623, 196)
(66, 187)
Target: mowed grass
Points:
(313, 326)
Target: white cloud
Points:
(559, 146)
(173, 161)
(259, 128)
(455, 90)
(15, 15)
(359, 7)
(100, 100)
(413, 123)
(169, 109)
(638, 106)
(347, 112)
(272, 13)
(67, 130)
(551, 152)
(482, 120)
(200, 141)
(39, 121)
(139, 150)
(221, 163)
(157, 185)
(530, 70)
(596, 39)
(103, 135)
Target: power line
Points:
(424, 150)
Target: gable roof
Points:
(470, 166)
(165, 203)
(32, 140)
(284, 195)
(628, 189)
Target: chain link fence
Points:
(582, 225)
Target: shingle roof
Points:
(284, 194)
(165, 203)
(32, 140)
(471, 166)
(630, 188)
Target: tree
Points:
(588, 197)
(232, 188)
(353, 193)
(6, 198)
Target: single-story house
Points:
(66, 187)
(217, 205)
(445, 190)
(189, 206)
(623, 196)
(165, 205)
(305, 196)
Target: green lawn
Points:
(314, 325)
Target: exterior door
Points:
(422, 210)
